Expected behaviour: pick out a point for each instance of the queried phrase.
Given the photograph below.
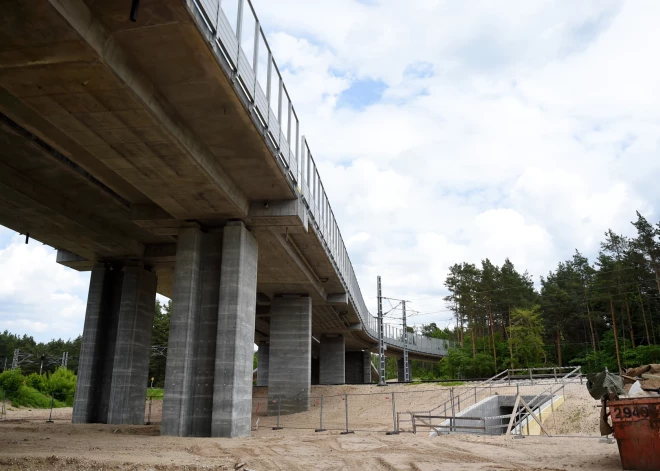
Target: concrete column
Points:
(177, 403)
(232, 394)
(98, 346)
(130, 370)
(399, 368)
(207, 332)
(332, 360)
(262, 364)
(366, 367)
(290, 359)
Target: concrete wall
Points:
(262, 364)
(358, 367)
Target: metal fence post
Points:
(580, 373)
(531, 378)
(346, 408)
(149, 414)
(50, 416)
(453, 411)
(554, 370)
(517, 389)
(321, 429)
(279, 405)
(475, 394)
(508, 375)
(395, 430)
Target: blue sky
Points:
(445, 132)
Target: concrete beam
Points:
(292, 251)
(93, 31)
(292, 213)
(337, 299)
(22, 188)
(76, 262)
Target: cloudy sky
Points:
(445, 131)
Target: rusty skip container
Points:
(636, 425)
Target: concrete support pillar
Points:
(332, 360)
(232, 397)
(262, 364)
(114, 357)
(206, 334)
(358, 367)
(181, 346)
(98, 346)
(366, 367)
(190, 369)
(290, 359)
(130, 370)
(399, 368)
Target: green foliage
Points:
(159, 338)
(38, 382)
(62, 385)
(11, 382)
(155, 393)
(526, 337)
(30, 397)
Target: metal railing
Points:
(246, 57)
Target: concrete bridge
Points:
(159, 155)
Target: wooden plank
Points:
(522, 401)
(513, 415)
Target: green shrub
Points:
(30, 397)
(37, 382)
(62, 385)
(11, 381)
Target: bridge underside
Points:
(125, 146)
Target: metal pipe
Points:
(135, 4)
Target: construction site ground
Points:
(28, 442)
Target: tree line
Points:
(599, 313)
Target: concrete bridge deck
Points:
(154, 154)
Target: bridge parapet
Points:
(243, 52)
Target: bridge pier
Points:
(358, 367)
(332, 360)
(232, 392)
(262, 364)
(114, 357)
(208, 378)
(290, 361)
(399, 370)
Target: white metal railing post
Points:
(239, 30)
(269, 80)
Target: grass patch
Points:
(30, 397)
(451, 383)
(155, 393)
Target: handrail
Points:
(273, 112)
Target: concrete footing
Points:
(289, 365)
(114, 357)
(332, 360)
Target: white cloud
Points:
(37, 296)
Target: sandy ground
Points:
(30, 443)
